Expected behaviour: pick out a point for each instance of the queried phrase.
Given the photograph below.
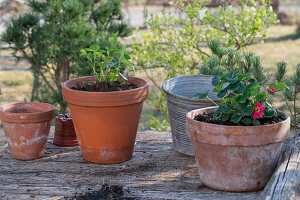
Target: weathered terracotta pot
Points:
(236, 158)
(106, 122)
(26, 126)
(64, 134)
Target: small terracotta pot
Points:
(106, 122)
(64, 134)
(236, 158)
(26, 126)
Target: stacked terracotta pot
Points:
(65, 134)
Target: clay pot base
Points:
(236, 168)
(106, 156)
(238, 191)
(66, 144)
(27, 159)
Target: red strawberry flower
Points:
(231, 94)
(247, 83)
(271, 90)
(257, 112)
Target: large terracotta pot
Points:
(106, 122)
(26, 126)
(236, 158)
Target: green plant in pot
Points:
(237, 143)
(180, 90)
(106, 107)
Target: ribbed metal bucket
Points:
(180, 91)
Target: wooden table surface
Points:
(156, 171)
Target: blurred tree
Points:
(51, 35)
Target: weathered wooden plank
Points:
(156, 171)
(3, 150)
(285, 182)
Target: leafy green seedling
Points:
(108, 64)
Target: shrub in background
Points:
(178, 44)
(291, 96)
(51, 35)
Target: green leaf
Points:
(253, 89)
(128, 57)
(280, 86)
(255, 122)
(226, 75)
(246, 121)
(231, 80)
(234, 86)
(269, 112)
(222, 93)
(82, 52)
(226, 110)
(94, 47)
(216, 113)
(249, 110)
(218, 87)
(88, 49)
(225, 117)
(241, 99)
(123, 51)
(201, 95)
(236, 118)
(242, 76)
(216, 80)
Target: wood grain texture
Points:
(156, 171)
(285, 182)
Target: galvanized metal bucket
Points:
(180, 91)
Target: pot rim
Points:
(216, 134)
(105, 99)
(108, 93)
(46, 113)
(163, 86)
(188, 115)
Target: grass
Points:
(15, 86)
(282, 44)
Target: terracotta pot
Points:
(106, 122)
(236, 158)
(64, 134)
(26, 126)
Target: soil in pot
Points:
(93, 86)
(208, 118)
(19, 111)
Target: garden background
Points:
(282, 43)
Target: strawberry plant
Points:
(243, 99)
